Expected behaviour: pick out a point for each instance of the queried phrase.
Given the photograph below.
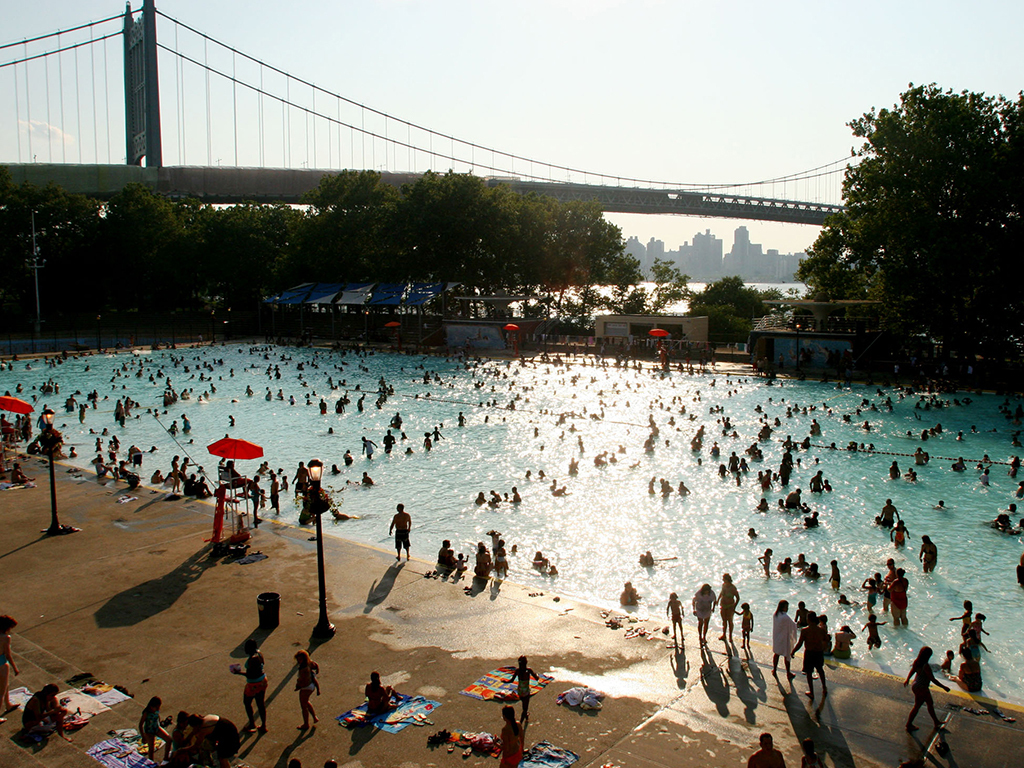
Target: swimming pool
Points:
(596, 532)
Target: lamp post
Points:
(50, 440)
(323, 628)
(35, 264)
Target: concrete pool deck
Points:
(134, 599)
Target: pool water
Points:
(596, 532)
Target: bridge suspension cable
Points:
(471, 153)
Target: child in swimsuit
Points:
(872, 627)
(522, 675)
(150, 728)
(746, 623)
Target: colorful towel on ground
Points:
(546, 755)
(409, 710)
(115, 753)
(495, 686)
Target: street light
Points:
(50, 439)
(317, 507)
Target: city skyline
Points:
(703, 257)
(678, 92)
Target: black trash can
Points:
(269, 605)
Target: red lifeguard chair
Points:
(231, 518)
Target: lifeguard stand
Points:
(231, 518)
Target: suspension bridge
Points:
(72, 90)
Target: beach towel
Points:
(106, 694)
(117, 753)
(255, 557)
(409, 710)
(19, 696)
(81, 704)
(495, 686)
(546, 755)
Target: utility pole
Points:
(35, 264)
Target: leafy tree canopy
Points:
(932, 218)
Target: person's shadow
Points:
(379, 590)
(143, 601)
(680, 666)
(715, 682)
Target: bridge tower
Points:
(141, 87)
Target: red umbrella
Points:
(511, 327)
(15, 405)
(659, 332)
(234, 448)
(393, 324)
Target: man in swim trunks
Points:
(812, 638)
(401, 524)
(888, 512)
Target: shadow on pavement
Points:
(143, 601)
(379, 590)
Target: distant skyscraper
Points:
(738, 260)
(707, 256)
(637, 250)
(655, 250)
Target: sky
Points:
(674, 91)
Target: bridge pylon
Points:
(141, 88)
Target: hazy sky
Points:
(683, 92)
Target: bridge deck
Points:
(265, 185)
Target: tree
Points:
(671, 287)
(346, 234)
(143, 238)
(250, 242)
(730, 305)
(933, 211)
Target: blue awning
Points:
(296, 295)
(354, 294)
(324, 293)
(421, 293)
(388, 294)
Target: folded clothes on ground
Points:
(582, 697)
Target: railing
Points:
(773, 322)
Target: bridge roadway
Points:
(265, 185)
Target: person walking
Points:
(7, 665)
(728, 599)
(255, 687)
(812, 639)
(923, 677)
(521, 675)
(305, 684)
(784, 637)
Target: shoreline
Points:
(122, 615)
(864, 666)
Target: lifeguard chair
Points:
(231, 517)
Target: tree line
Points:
(140, 250)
